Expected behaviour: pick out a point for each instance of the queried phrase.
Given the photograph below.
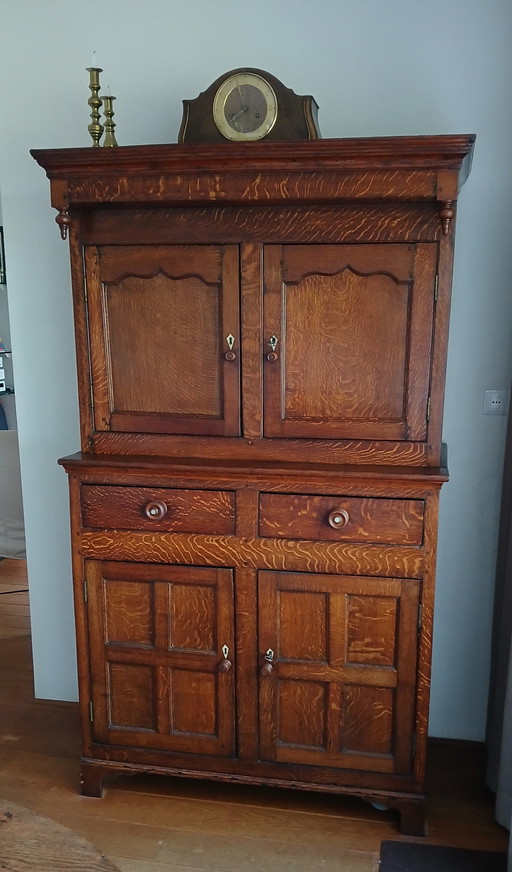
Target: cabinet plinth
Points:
(261, 337)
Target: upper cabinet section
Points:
(280, 301)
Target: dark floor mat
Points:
(415, 857)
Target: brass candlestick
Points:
(95, 128)
(110, 139)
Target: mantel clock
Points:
(247, 105)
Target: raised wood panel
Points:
(143, 330)
(303, 623)
(340, 693)
(129, 614)
(368, 714)
(156, 637)
(347, 319)
(192, 618)
(131, 697)
(193, 702)
(378, 647)
(159, 317)
(359, 353)
(302, 709)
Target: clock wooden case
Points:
(248, 104)
(261, 341)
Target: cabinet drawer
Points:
(162, 509)
(333, 518)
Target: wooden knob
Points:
(230, 355)
(272, 355)
(338, 518)
(225, 665)
(268, 664)
(155, 510)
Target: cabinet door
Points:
(341, 692)
(353, 325)
(162, 320)
(156, 636)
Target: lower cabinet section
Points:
(253, 658)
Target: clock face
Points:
(245, 107)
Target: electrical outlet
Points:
(495, 402)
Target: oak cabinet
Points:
(261, 335)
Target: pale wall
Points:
(375, 68)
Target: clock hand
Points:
(237, 114)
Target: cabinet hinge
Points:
(428, 409)
(414, 744)
(436, 287)
(86, 594)
(420, 616)
(91, 712)
(92, 395)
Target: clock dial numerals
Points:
(245, 107)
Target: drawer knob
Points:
(338, 518)
(156, 510)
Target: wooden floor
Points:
(155, 824)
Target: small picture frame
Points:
(3, 278)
